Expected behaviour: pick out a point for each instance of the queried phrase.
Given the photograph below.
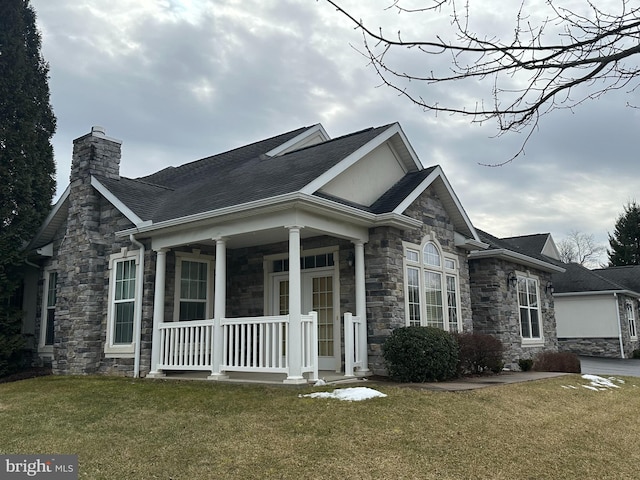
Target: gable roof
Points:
(286, 168)
(524, 250)
(235, 177)
(578, 279)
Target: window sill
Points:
(125, 351)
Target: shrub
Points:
(636, 354)
(420, 354)
(557, 362)
(478, 353)
(525, 364)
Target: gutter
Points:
(516, 257)
(137, 327)
(615, 295)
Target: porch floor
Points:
(329, 377)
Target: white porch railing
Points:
(186, 345)
(249, 344)
(352, 347)
(255, 344)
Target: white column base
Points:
(295, 381)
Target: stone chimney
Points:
(95, 154)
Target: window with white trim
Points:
(529, 308)
(193, 285)
(631, 319)
(432, 294)
(48, 310)
(123, 302)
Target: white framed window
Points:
(49, 299)
(431, 287)
(529, 309)
(194, 285)
(123, 302)
(631, 319)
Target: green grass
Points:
(141, 429)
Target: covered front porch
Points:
(306, 326)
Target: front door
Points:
(318, 296)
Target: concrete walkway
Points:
(611, 366)
(474, 383)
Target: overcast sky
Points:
(178, 80)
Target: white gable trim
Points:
(51, 217)
(351, 159)
(438, 173)
(318, 128)
(116, 202)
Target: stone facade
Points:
(593, 347)
(83, 246)
(495, 307)
(385, 276)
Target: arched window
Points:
(431, 287)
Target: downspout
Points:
(615, 295)
(138, 317)
(31, 264)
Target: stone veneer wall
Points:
(594, 347)
(495, 307)
(81, 258)
(384, 256)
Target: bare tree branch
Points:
(536, 71)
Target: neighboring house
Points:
(189, 268)
(597, 310)
(511, 293)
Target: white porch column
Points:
(219, 308)
(294, 342)
(158, 311)
(361, 307)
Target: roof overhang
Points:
(354, 221)
(56, 218)
(450, 201)
(518, 258)
(614, 293)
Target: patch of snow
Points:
(600, 382)
(353, 394)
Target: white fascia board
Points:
(52, 214)
(516, 258)
(318, 128)
(289, 200)
(351, 159)
(598, 292)
(116, 202)
(438, 173)
(410, 149)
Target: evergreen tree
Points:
(625, 242)
(27, 168)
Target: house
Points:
(189, 268)
(597, 310)
(512, 293)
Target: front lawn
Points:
(142, 429)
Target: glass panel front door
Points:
(318, 296)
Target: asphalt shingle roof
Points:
(529, 245)
(235, 177)
(580, 279)
(629, 276)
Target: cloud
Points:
(181, 80)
